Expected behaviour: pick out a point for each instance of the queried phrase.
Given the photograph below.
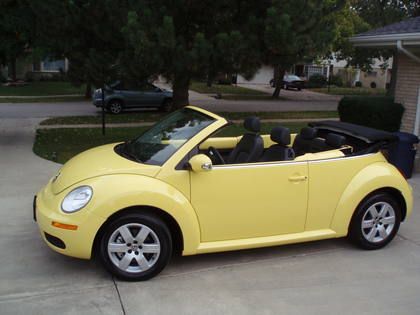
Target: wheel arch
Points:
(115, 98)
(376, 177)
(168, 219)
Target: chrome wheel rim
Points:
(115, 108)
(378, 222)
(134, 248)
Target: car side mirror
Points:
(200, 163)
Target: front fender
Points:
(113, 193)
(373, 177)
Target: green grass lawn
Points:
(151, 116)
(201, 87)
(44, 99)
(350, 91)
(41, 89)
(60, 145)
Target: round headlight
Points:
(77, 199)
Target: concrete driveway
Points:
(328, 277)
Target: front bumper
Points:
(76, 243)
(97, 102)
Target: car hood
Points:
(96, 162)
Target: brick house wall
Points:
(407, 90)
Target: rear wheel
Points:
(136, 247)
(376, 221)
(115, 107)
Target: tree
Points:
(16, 30)
(86, 32)
(183, 39)
(298, 29)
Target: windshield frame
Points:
(124, 149)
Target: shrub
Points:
(380, 112)
(373, 85)
(3, 79)
(336, 80)
(317, 81)
(358, 84)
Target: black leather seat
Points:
(304, 141)
(279, 151)
(251, 146)
(332, 141)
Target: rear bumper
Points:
(76, 243)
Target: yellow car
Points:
(180, 188)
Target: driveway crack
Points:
(119, 295)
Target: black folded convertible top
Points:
(366, 134)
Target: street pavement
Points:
(326, 277)
(293, 101)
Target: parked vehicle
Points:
(290, 81)
(122, 95)
(180, 188)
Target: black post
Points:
(103, 109)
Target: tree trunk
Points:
(278, 80)
(88, 91)
(393, 82)
(180, 87)
(12, 72)
(209, 81)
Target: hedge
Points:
(380, 112)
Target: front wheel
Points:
(115, 107)
(136, 247)
(375, 222)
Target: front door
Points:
(250, 200)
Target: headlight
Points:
(77, 199)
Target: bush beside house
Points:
(378, 112)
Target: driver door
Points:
(250, 200)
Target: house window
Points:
(53, 65)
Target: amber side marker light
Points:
(64, 226)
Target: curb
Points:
(144, 124)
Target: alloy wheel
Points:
(134, 248)
(115, 107)
(378, 222)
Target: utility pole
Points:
(103, 109)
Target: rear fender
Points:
(375, 176)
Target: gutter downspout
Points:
(409, 54)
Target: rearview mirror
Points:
(200, 163)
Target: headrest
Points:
(252, 124)
(280, 135)
(334, 140)
(308, 133)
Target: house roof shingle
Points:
(407, 26)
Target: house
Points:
(404, 38)
(26, 68)
(379, 76)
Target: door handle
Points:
(298, 178)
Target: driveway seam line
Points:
(119, 295)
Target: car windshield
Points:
(161, 141)
(293, 78)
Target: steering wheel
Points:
(215, 156)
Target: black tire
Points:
(115, 107)
(360, 236)
(157, 261)
(167, 105)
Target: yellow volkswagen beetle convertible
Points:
(179, 187)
